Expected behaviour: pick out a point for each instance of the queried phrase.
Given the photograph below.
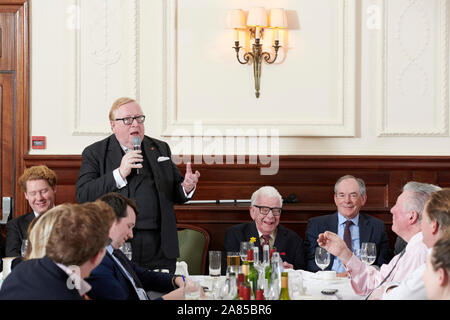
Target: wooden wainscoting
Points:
(310, 178)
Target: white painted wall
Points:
(353, 77)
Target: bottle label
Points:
(284, 282)
(259, 295)
(246, 294)
(245, 269)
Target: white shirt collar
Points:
(418, 237)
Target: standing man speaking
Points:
(140, 168)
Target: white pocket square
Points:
(161, 159)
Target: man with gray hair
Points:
(406, 223)
(435, 222)
(349, 224)
(265, 211)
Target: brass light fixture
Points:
(255, 26)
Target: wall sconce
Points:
(255, 26)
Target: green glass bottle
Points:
(284, 293)
(268, 271)
(252, 272)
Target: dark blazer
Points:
(371, 229)
(109, 282)
(16, 231)
(95, 178)
(286, 241)
(37, 279)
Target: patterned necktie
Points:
(127, 266)
(266, 239)
(347, 234)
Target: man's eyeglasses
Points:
(129, 120)
(265, 210)
(352, 195)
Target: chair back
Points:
(193, 242)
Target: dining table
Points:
(303, 285)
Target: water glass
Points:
(295, 283)
(126, 249)
(215, 261)
(244, 247)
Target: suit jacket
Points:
(371, 229)
(95, 178)
(16, 231)
(109, 282)
(286, 241)
(37, 279)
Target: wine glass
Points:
(322, 258)
(368, 252)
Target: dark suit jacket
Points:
(95, 178)
(37, 279)
(287, 241)
(16, 231)
(370, 230)
(109, 282)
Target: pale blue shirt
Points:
(354, 231)
(140, 292)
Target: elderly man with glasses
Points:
(265, 210)
(140, 168)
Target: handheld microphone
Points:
(137, 146)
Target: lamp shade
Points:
(257, 17)
(278, 18)
(236, 19)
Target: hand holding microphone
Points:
(132, 159)
(137, 146)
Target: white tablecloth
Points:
(313, 284)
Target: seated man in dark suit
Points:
(349, 196)
(39, 185)
(118, 278)
(265, 211)
(75, 247)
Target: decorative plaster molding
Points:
(411, 62)
(104, 57)
(342, 125)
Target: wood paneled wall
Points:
(310, 178)
(14, 95)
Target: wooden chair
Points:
(193, 242)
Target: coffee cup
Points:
(329, 275)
